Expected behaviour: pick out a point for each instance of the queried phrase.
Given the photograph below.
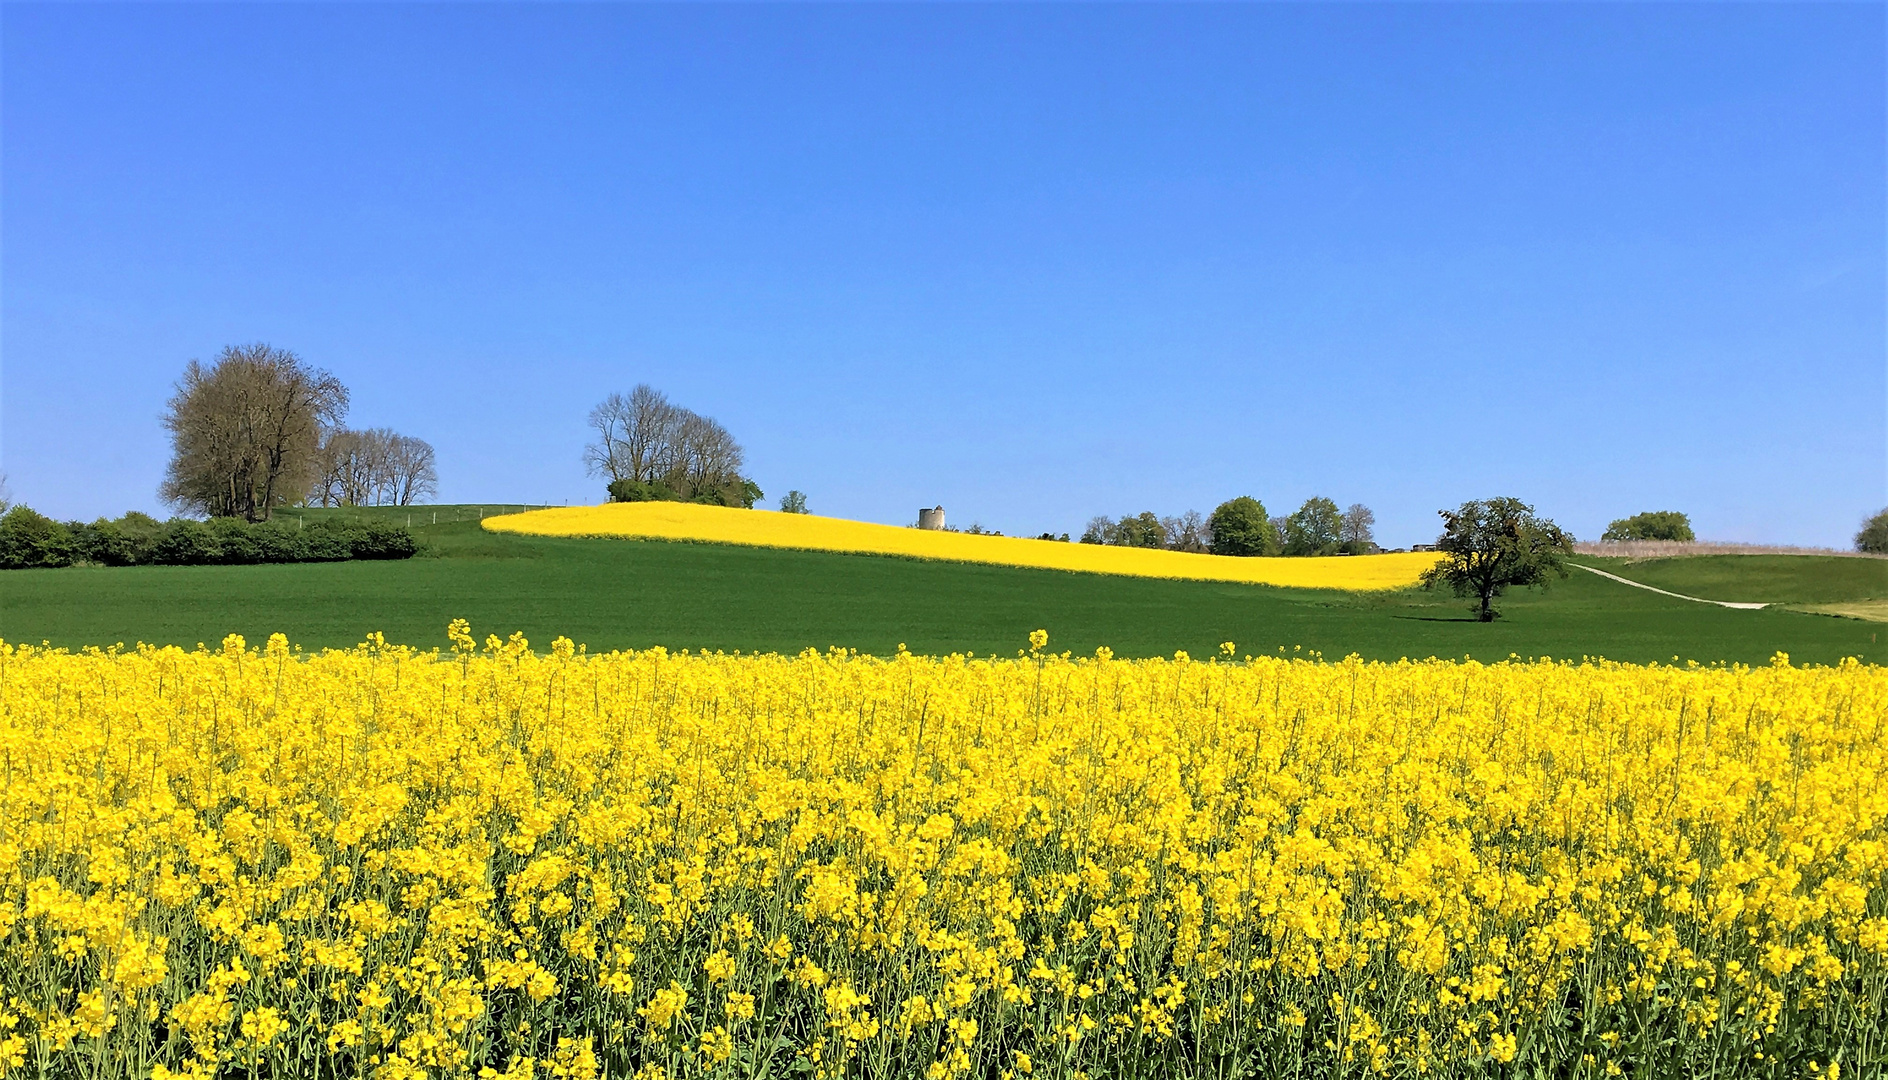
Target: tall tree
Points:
(1314, 528)
(411, 474)
(246, 430)
(1489, 545)
(1355, 533)
(1240, 527)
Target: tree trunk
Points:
(1487, 613)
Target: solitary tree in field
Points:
(1874, 535)
(793, 502)
(1240, 527)
(1491, 544)
(246, 431)
(1651, 525)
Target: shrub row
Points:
(31, 540)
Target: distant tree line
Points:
(649, 449)
(30, 540)
(1242, 527)
(260, 429)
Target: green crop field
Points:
(621, 594)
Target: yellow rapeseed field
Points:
(495, 862)
(763, 528)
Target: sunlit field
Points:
(494, 861)
(762, 528)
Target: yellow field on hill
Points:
(765, 528)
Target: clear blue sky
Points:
(1034, 263)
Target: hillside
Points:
(627, 593)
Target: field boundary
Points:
(1741, 605)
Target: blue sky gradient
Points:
(1034, 263)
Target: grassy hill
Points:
(626, 593)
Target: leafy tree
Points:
(793, 502)
(1651, 525)
(29, 540)
(1315, 528)
(1874, 535)
(1241, 527)
(1492, 544)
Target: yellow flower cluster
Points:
(493, 862)
(762, 528)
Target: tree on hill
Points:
(648, 448)
(1241, 527)
(376, 467)
(1489, 545)
(793, 502)
(1874, 535)
(246, 431)
(1651, 525)
(1316, 528)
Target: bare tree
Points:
(1188, 532)
(411, 476)
(375, 467)
(644, 439)
(1354, 528)
(634, 435)
(246, 431)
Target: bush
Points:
(184, 542)
(1874, 535)
(29, 540)
(379, 540)
(1240, 527)
(1651, 525)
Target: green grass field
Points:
(622, 593)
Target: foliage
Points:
(1143, 530)
(137, 539)
(1240, 527)
(682, 522)
(1316, 528)
(1874, 535)
(1489, 545)
(262, 862)
(793, 502)
(1651, 525)
(742, 495)
(246, 431)
(30, 540)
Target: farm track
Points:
(1663, 592)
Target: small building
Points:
(931, 519)
(1422, 547)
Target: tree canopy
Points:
(246, 431)
(1241, 527)
(1316, 528)
(1489, 545)
(1651, 525)
(1874, 535)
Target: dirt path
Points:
(1662, 592)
